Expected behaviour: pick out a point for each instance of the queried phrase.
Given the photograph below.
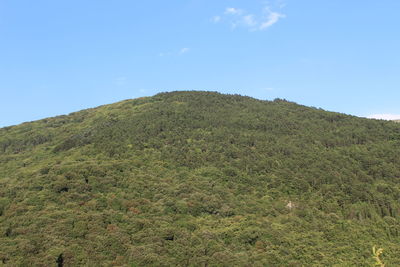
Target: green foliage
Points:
(199, 179)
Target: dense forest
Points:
(200, 179)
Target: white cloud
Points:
(174, 53)
(249, 20)
(237, 17)
(184, 50)
(233, 11)
(216, 19)
(273, 17)
(165, 54)
(385, 116)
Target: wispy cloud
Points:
(249, 20)
(233, 11)
(216, 19)
(165, 54)
(272, 18)
(389, 117)
(184, 50)
(181, 51)
(237, 17)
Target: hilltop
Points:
(200, 179)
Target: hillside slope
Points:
(200, 179)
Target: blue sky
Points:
(61, 56)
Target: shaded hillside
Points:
(200, 179)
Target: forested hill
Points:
(200, 179)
